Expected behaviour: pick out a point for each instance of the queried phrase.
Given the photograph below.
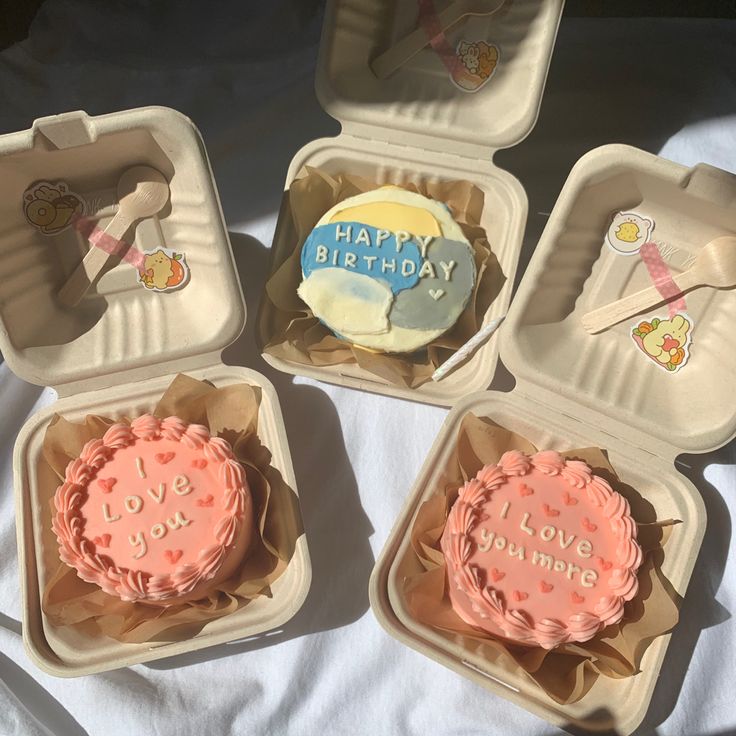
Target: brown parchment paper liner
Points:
(567, 672)
(298, 336)
(232, 413)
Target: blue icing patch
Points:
(363, 249)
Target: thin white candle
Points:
(468, 349)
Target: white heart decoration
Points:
(436, 293)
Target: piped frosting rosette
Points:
(157, 511)
(540, 551)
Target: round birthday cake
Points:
(540, 551)
(388, 270)
(156, 511)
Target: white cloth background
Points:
(244, 73)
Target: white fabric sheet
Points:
(244, 73)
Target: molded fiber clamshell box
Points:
(579, 390)
(417, 127)
(117, 351)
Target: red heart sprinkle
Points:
(603, 564)
(576, 597)
(524, 490)
(519, 596)
(103, 541)
(199, 462)
(569, 500)
(549, 511)
(106, 484)
(497, 575)
(208, 500)
(545, 587)
(164, 457)
(589, 525)
(173, 555)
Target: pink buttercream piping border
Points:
(78, 551)
(486, 601)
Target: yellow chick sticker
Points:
(51, 207)
(163, 270)
(628, 231)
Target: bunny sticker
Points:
(665, 341)
(476, 63)
(51, 207)
(628, 231)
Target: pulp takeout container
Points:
(579, 390)
(117, 352)
(417, 127)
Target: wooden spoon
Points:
(715, 266)
(409, 46)
(142, 192)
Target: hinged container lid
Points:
(419, 105)
(120, 329)
(606, 378)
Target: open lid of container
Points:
(120, 329)
(419, 104)
(606, 379)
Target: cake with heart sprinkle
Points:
(540, 551)
(156, 511)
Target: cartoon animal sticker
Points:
(628, 231)
(51, 207)
(477, 63)
(665, 341)
(163, 270)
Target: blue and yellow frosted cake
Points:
(388, 270)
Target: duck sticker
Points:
(163, 270)
(51, 207)
(628, 231)
(665, 341)
(477, 61)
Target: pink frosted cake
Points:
(156, 511)
(540, 551)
